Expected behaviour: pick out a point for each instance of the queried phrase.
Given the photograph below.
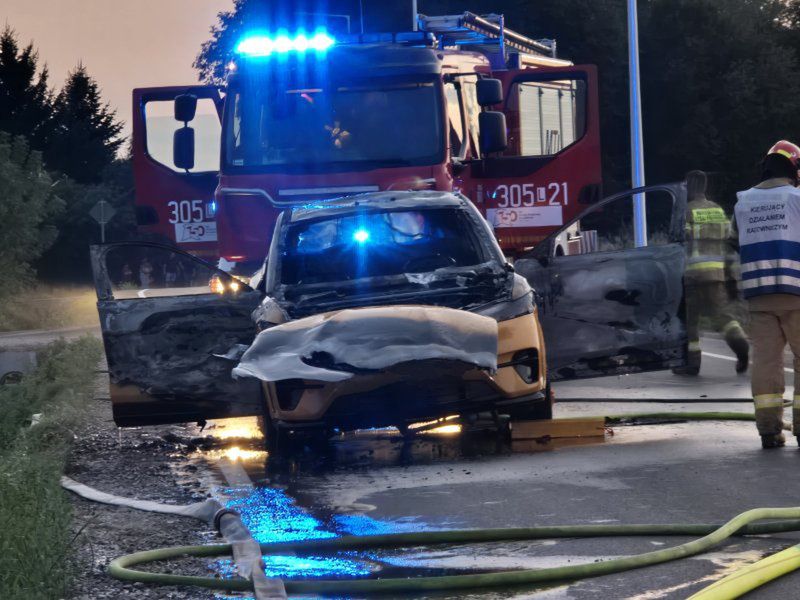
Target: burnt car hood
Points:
(336, 346)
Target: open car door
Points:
(165, 333)
(606, 306)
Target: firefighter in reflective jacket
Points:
(767, 218)
(707, 231)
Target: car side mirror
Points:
(489, 92)
(183, 148)
(493, 135)
(185, 107)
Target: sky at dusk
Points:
(123, 44)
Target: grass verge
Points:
(34, 511)
(48, 307)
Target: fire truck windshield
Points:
(345, 127)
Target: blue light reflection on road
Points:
(358, 524)
(271, 515)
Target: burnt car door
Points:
(168, 319)
(608, 307)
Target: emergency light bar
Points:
(260, 45)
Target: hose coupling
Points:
(218, 517)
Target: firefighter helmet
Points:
(787, 149)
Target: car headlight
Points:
(219, 285)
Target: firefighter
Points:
(767, 218)
(707, 231)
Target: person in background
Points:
(707, 231)
(127, 275)
(145, 273)
(171, 271)
(766, 232)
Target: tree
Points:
(718, 88)
(67, 260)
(25, 100)
(27, 208)
(85, 136)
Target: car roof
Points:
(389, 200)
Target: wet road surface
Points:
(374, 482)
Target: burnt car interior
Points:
(378, 244)
(435, 256)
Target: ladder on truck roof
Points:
(486, 34)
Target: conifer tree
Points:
(85, 136)
(25, 100)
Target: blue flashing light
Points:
(301, 43)
(320, 42)
(361, 236)
(260, 45)
(283, 44)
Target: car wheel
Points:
(405, 432)
(534, 411)
(274, 437)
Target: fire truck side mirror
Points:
(493, 135)
(185, 107)
(183, 148)
(489, 91)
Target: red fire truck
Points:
(462, 104)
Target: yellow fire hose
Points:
(732, 586)
(752, 576)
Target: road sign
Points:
(102, 212)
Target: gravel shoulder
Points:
(135, 463)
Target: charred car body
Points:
(385, 309)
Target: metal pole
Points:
(102, 233)
(637, 155)
(415, 20)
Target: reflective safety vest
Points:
(707, 230)
(768, 221)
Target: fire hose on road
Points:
(787, 519)
(781, 520)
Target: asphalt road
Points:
(373, 482)
(678, 473)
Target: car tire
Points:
(534, 411)
(405, 431)
(275, 438)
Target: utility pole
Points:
(637, 151)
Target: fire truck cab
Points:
(463, 104)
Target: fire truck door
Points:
(606, 306)
(170, 341)
(176, 204)
(551, 168)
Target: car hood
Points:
(335, 346)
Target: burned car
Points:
(384, 309)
